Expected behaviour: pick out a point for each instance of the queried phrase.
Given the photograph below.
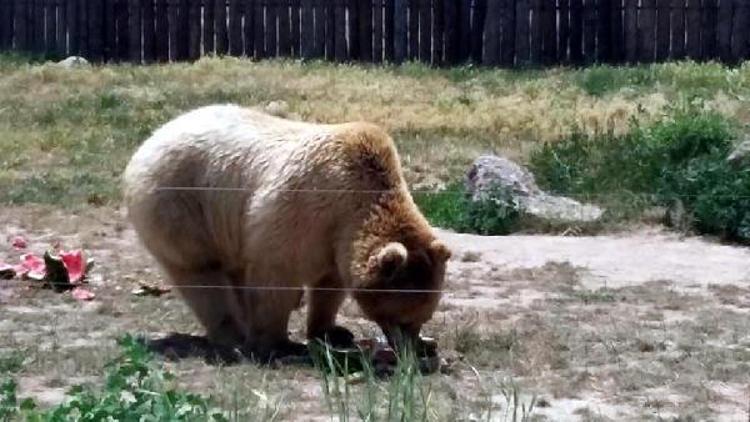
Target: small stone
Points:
(72, 62)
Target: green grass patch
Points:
(681, 158)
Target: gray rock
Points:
(490, 171)
(73, 61)
(740, 157)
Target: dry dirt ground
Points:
(644, 325)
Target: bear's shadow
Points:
(178, 346)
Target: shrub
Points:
(453, 208)
(681, 158)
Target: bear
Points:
(245, 212)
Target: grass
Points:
(67, 133)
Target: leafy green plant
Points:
(682, 157)
(497, 213)
(134, 390)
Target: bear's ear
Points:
(388, 259)
(440, 251)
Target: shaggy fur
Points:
(275, 230)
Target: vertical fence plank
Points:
(647, 31)
(413, 25)
(220, 27)
(693, 24)
(631, 31)
(377, 31)
(149, 31)
(339, 31)
(709, 22)
(308, 29)
(604, 32)
(492, 34)
(740, 25)
(183, 42)
(536, 32)
(50, 26)
(477, 29)
(134, 31)
(589, 31)
(209, 8)
(194, 30)
(248, 11)
(161, 28)
(83, 30)
(110, 27)
(400, 31)
(464, 30)
(366, 29)
(38, 31)
(123, 30)
(296, 28)
(319, 15)
(388, 30)
(5, 24)
(663, 31)
(96, 30)
(617, 36)
(522, 32)
(174, 26)
(724, 33)
(259, 15)
(20, 24)
(272, 39)
(235, 28)
(576, 31)
(352, 28)
(563, 31)
(62, 27)
(508, 32)
(438, 32)
(425, 31)
(678, 29)
(450, 20)
(330, 30)
(549, 29)
(282, 11)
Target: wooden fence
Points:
(491, 32)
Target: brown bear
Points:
(244, 211)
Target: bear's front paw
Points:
(336, 336)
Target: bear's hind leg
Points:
(268, 319)
(321, 315)
(213, 301)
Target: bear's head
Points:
(403, 285)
